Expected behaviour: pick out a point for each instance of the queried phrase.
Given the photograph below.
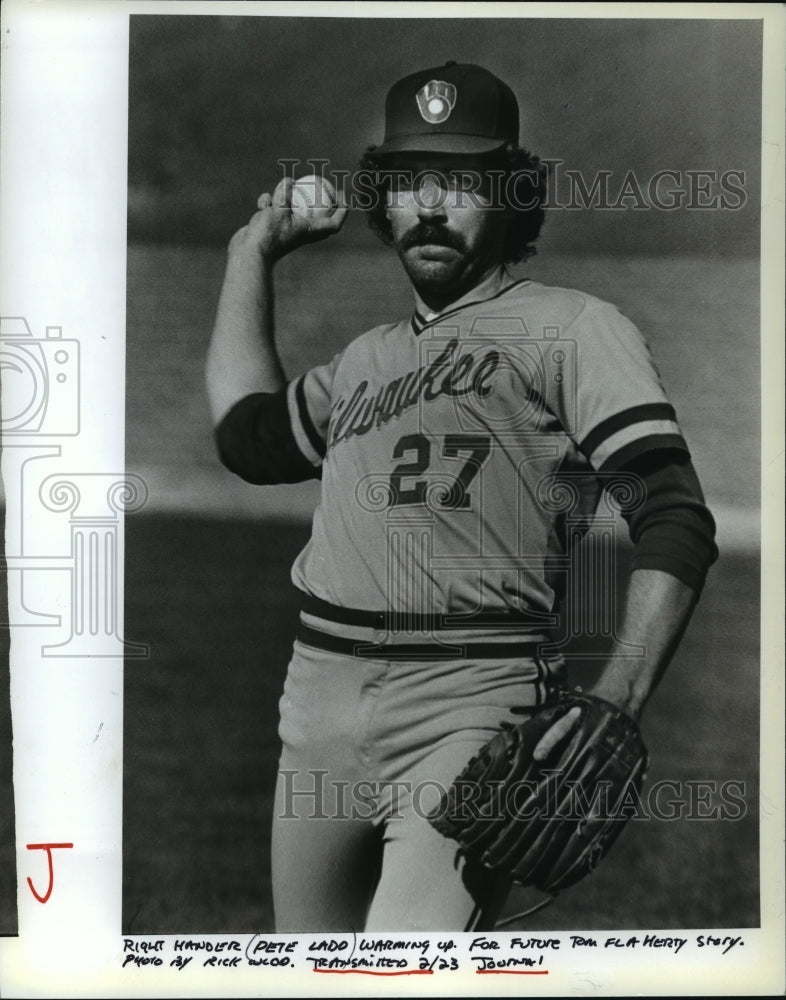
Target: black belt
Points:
(397, 621)
(415, 650)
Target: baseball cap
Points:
(455, 108)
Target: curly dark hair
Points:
(523, 185)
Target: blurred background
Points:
(214, 104)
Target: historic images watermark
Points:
(564, 188)
(317, 796)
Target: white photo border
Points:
(62, 258)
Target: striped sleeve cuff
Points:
(305, 433)
(623, 437)
(256, 440)
(683, 546)
(672, 530)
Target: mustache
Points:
(428, 232)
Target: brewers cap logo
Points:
(436, 100)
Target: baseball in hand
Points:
(313, 198)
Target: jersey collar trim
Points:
(497, 284)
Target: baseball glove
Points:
(547, 823)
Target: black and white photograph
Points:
(385, 416)
(424, 594)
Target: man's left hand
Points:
(612, 688)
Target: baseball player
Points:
(462, 452)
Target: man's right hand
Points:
(275, 230)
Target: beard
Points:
(443, 263)
(436, 260)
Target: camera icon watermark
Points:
(41, 400)
(588, 503)
(503, 378)
(40, 380)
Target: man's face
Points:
(447, 229)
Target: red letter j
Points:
(48, 848)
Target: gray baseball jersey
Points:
(446, 445)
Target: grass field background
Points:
(213, 102)
(700, 316)
(201, 748)
(207, 571)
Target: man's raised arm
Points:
(242, 357)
